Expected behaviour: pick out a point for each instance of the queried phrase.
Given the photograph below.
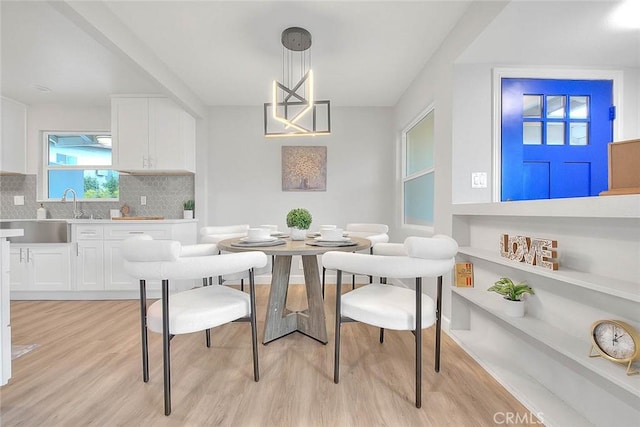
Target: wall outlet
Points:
(143, 200)
(478, 180)
(18, 200)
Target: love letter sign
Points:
(540, 252)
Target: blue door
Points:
(554, 137)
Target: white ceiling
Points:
(225, 52)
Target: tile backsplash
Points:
(165, 195)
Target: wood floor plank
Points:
(87, 371)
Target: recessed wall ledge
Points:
(621, 206)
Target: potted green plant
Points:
(299, 220)
(189, 205)
(513, 293)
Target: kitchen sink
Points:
(47, 231)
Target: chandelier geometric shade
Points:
(294, 110)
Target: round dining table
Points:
(281, 321)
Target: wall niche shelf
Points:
(542, 358)
(607, 285)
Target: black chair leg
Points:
(144, 333)
(438, 322)
(336, 360)
(242, 285)
(353, 281)
(381, 335)
(166, 356)
(254, 330)
(324, 270)
(207, 332)
(418, 334)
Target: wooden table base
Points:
(282, 321)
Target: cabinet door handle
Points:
(136, 232)
(21, 257)
(77, 249)
(28, 255)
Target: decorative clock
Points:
(616, 341)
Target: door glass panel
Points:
(531, 106)
(556, 105)
(578, 107)
(555, 133)
(578, 134)
(532, 133)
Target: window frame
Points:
(404, 178)
(44, 168)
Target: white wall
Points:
(244, 169)
(435, 85)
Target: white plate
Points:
(341, 239)
(268, 239)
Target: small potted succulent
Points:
(189, 205)
(299, 220)
(513, 293)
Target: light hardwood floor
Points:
(87, 371)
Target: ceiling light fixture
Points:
(293, 110)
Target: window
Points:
(418, 171)
(81, 161)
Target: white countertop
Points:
(107, 221)
(11, 232)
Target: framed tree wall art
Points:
(304, 168)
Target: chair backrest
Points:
(214, 234)
(145, 258)
(367, 228)
(421, 257)
(436, 247)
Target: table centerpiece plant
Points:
(299, 221)
(513, 293)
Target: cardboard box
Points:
(624, 168)
(464, 275)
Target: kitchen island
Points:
(5, 305)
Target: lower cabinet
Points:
(98, 264)
(40, 267)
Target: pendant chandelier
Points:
(293, 110)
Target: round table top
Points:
(294, 247)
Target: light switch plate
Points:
(143, 200)
(18, 200)
(478, 180)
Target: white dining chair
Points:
(376, 233)
(197, 309)
(217, 233)
(394, 307)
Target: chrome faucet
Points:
(76, 212)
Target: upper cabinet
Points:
(152, 135)
(14, 137)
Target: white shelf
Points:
(625, 206)
(620, 288)
(525, 388)
(570, 346)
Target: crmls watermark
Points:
(506, 418)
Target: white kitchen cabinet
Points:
(99, 270)
(89, 257)
(152, 135)
(542, 358)
(13, 144)
(40, 267)
(5, 303)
